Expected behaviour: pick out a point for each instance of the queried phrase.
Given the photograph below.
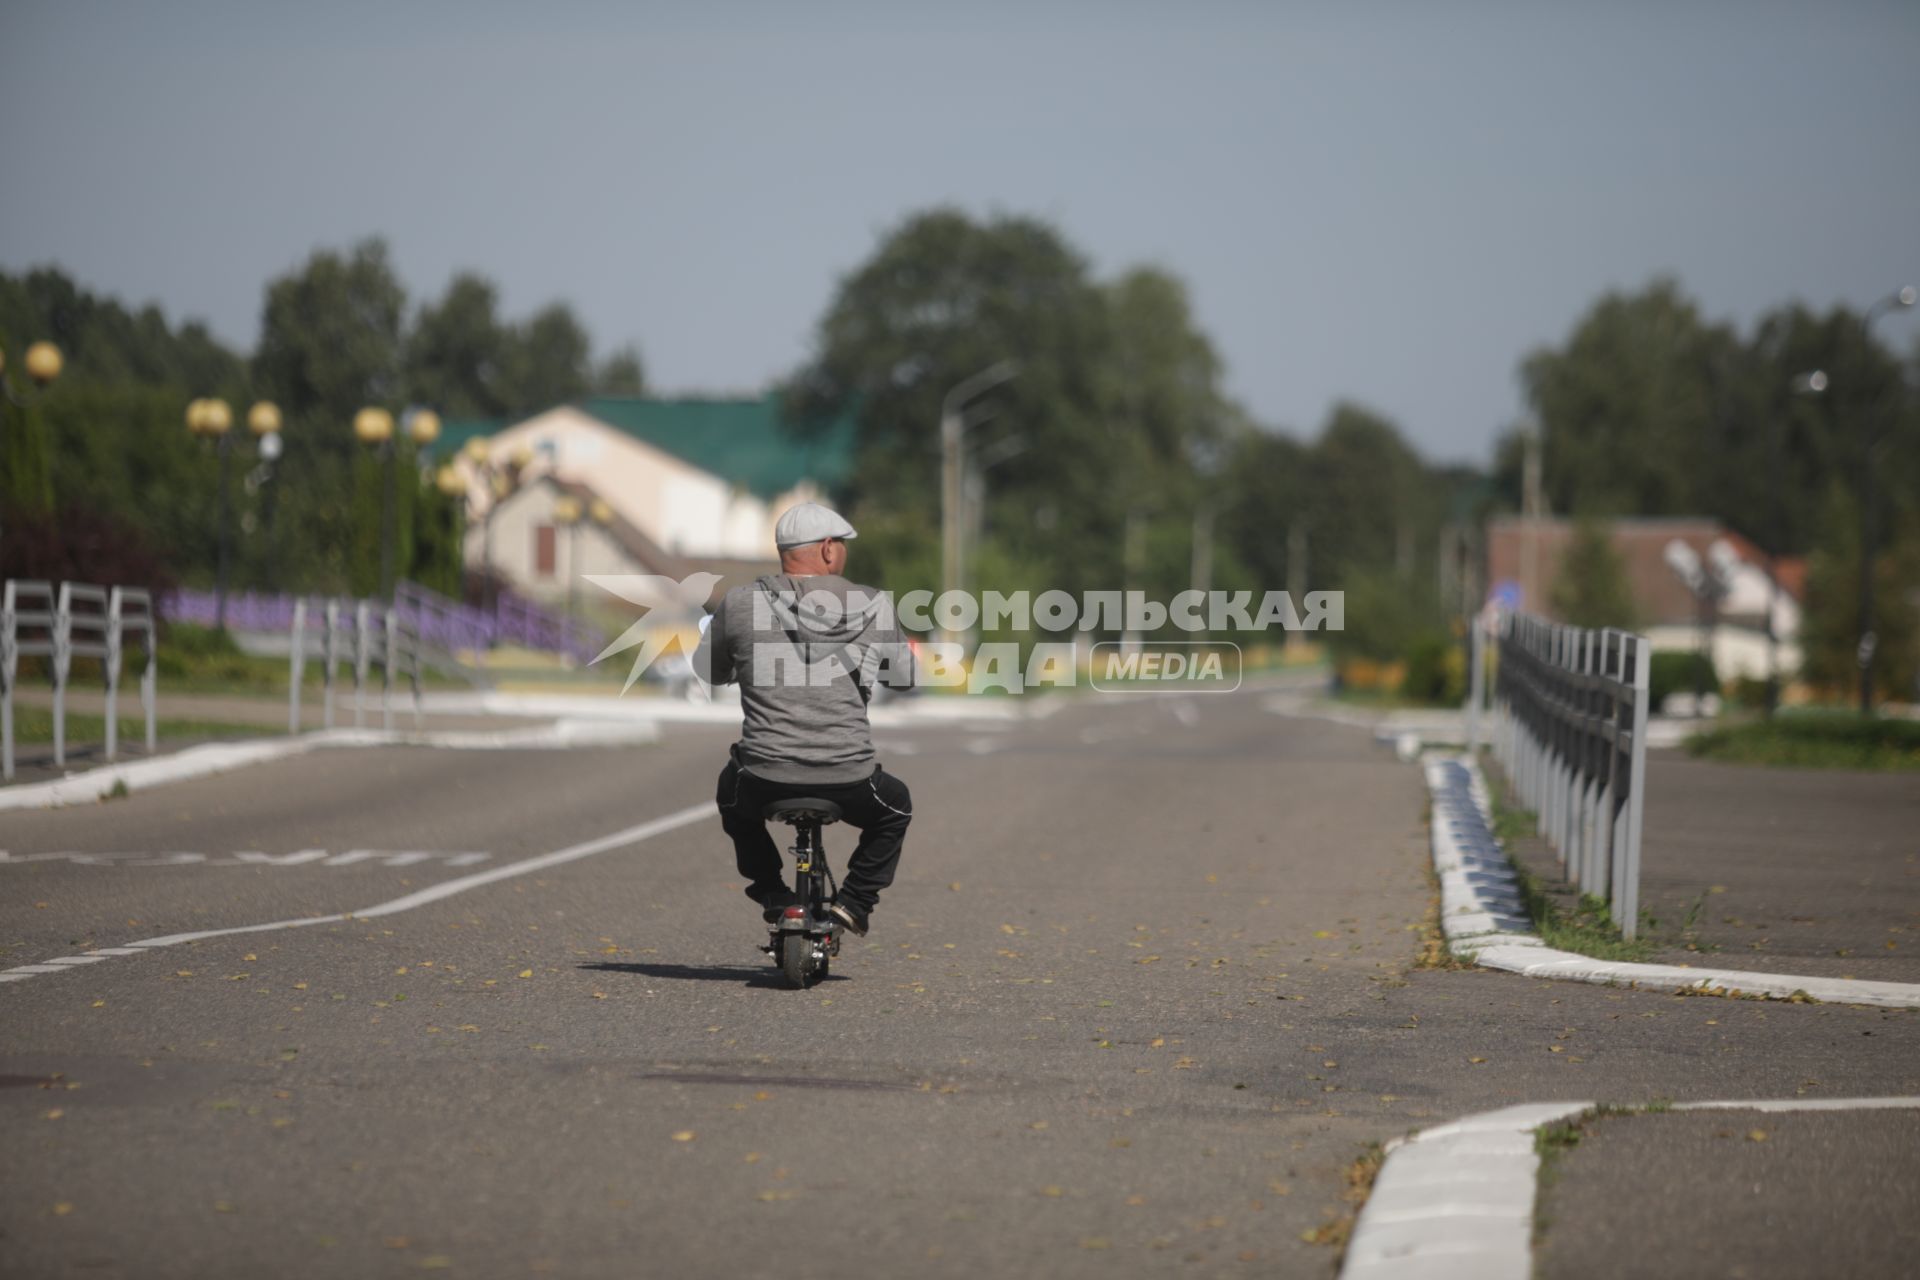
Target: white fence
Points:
(1570, 732)
(74, 621)
(357, 634)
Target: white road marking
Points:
(419, 898)
(250, 858)
(1457, 1199)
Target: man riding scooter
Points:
(808, 648)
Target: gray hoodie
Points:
(807, 653)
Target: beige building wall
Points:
(681, 507)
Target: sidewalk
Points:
(1793, 871)
(1767, 1196)
(33, 761)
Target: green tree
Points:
(457, 352)
(548, 360)
(1591, 588)
(1116, 394)
(1830, 618)
(330, 336)
(621, 374)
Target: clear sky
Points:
(1390, 203)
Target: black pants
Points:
(880, 806)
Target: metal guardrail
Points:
(354, 632)
(1570, 732)
(76, 621)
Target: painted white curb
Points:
(221, 757)
(1485, 920)
(1455, 1202)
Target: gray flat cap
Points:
(810, 522)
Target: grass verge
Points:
(1565, 922)
(1814, 740)
(35, 725)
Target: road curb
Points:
(1456, 1201)
(224, 757)
(1485, 919)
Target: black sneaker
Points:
(850, 916)
(774, 901)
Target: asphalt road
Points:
(1803, 1194)
(1142, 994)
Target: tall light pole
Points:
(1900, 299)
(212, 418)
(374, 426)
(264, 421)
(499, 478)
(953, 433)
(566, 513)
(1805, 384)
(43, 365)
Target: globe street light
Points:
(211, 417)
(373, 426)
(43, 363)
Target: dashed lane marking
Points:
(418, 898)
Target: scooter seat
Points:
(802, 809)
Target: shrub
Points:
(1436, 671)
(1673, 671)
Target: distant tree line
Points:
(1115, 458)
(102, 477)
(1650, 409)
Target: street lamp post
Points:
(211, 417)
(570, 514)
(374, 426)
(43, 364)
(1899, 299)
(566, 514)
(953, 432)
(1812, 383)
(453, 487)
(499, 478)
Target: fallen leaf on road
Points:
(397, 1242)
(62, 1209)
(1756, 1135)
(685, 1135)
(1053, 1193)
(770, 1196)
(526, 973)
(1476, 1061)
(1101, 1242)
(55, 1114)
